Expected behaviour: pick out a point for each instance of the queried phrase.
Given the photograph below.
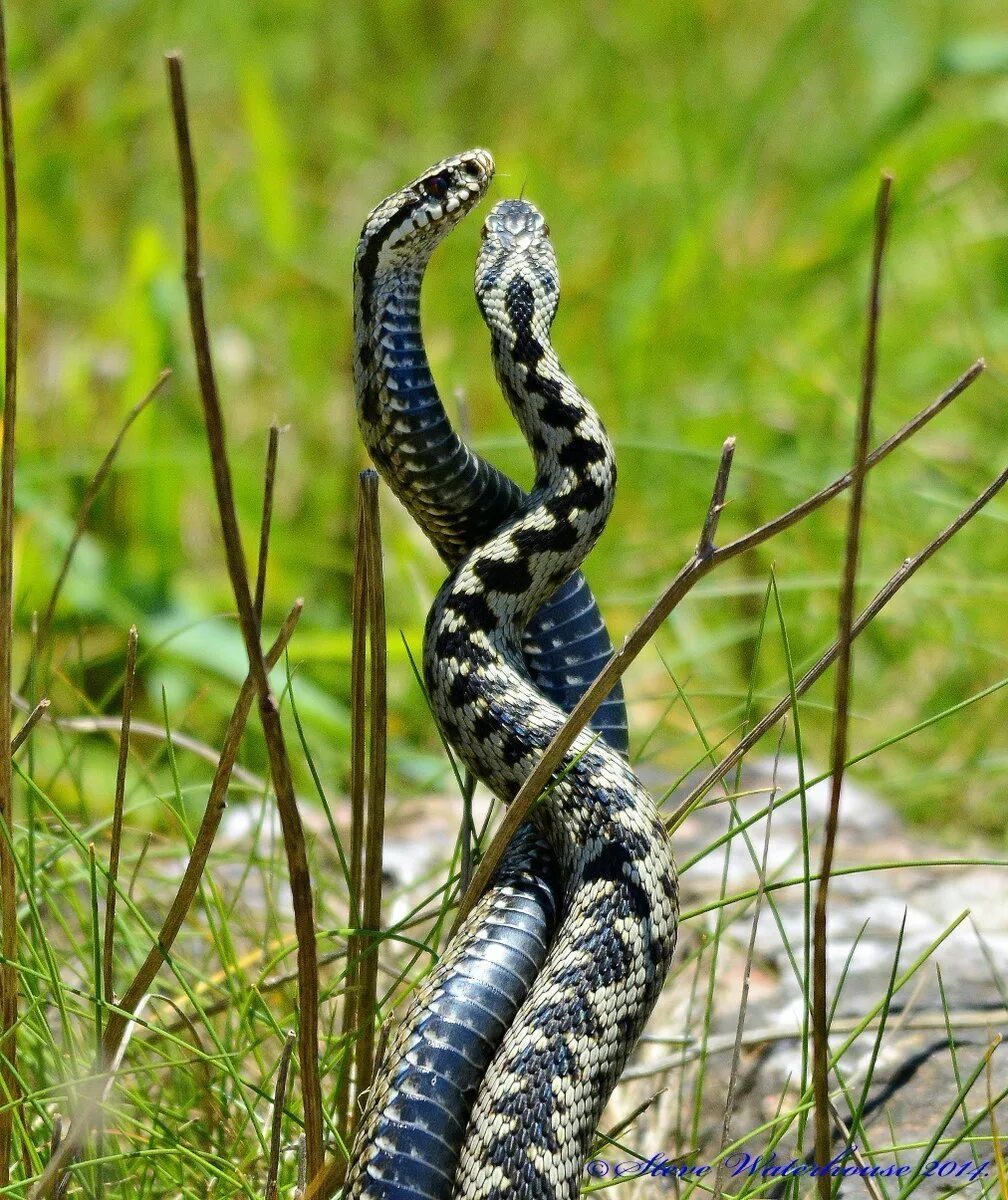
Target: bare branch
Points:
(290, 818)
(841, 708)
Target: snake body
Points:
(497, 1076)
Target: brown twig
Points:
(841, 707)
(687, 578)
(90, 495)
(358, 771)
(290, 819)
(33, 718)
(9, 1090)
(279, 1095)
(115, 842)
(706, 544)
(375, 834)
(269, 482)
(119, 1022)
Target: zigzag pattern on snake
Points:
(555, 1059)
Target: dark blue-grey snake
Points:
(495, 1078)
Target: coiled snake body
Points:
(497, 1076)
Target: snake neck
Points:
(391, 372)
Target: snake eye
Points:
(545, 230)
(437, 187)
(485, 231)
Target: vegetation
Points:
(708, 174)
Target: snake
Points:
(496, 1077)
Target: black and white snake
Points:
(497, 1075)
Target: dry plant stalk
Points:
(9, 1090)
(266, 521)
(115, 840)
(283, 785)
(368, 727)
(279, 1097)
(374, 836)
(841, 704)
(33, 718)
(358, 773)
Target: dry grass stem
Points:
(266, 523)
(290, 818)
(9, 1089)
(375, 830)
(276, 1130)
(22, 735)
(841, 707)
(358, 773)
(115, 841)
(687, 578)
(705, 546)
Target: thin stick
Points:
(358, 769)
(108, 941)
(374, 838)
(118, 1023)
(290, 818)
(22, 735)
(83, 512)
(279, 1095)
(705, 546)
(841, 707)
(9, 1090)
(687, 578)
(269, 482)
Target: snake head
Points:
(410, 223)
(516, 266)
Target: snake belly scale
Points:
(497, 1076)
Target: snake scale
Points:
(494, 1080)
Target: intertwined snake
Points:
(497, 1075)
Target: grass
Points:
(708, 181)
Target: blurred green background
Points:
(708, 171)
